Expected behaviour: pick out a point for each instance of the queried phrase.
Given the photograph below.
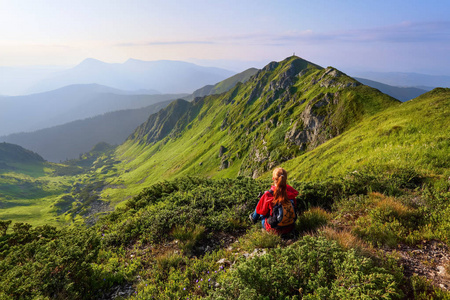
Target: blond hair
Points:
(279, 177)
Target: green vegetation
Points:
(412, 135)
(179, 239)
(372, 175)
(312, 268)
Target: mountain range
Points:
(404, 79)
(69, 140)
(70, 103)
(165, 76)
(400, 93)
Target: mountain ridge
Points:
(285, 109)
(69, 140)
(11, 153)
(42, 110)
(164, 76)
(400, 93)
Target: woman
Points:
(278, 193)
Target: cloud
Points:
(405, 32)
(162, 43)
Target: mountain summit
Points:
(284, 110)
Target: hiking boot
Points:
(250, 216)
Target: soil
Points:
(429, 259)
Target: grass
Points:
(28, 192)
(409, 135)
(312, 220)
(257, 238)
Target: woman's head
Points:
(279, 177)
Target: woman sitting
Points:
(280, 195)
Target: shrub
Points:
(188, 236)
(389, 223)
(217, 205)
(4, 227)
(312, 219)
(422, 289)
(258, 238)
(312, 268)
(346, 240)
(48, 263)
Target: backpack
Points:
(283, 214)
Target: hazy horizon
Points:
(386, 36)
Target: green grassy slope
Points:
(28, 192)
(415, 134)
(224, 85)
(39, 192)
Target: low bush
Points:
(188, 237)
(312, 219)
(390, 222)
(216, 205)
(346, 239)
(43, 263)
(257, 238)
(422, 289)
(312, 268)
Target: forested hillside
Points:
(70, 140)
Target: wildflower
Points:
(209, 280)
(184, 289)
(196, 281)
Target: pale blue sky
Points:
(409, 36)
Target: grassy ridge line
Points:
(176, 158)
(414, 134)
(251, 118)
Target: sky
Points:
(402, 36)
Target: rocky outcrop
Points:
(313, 126)
(168, 121)
(222, 150)
(330, 78)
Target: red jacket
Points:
(265, 207)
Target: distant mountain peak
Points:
(91, 62)
(134, 61)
